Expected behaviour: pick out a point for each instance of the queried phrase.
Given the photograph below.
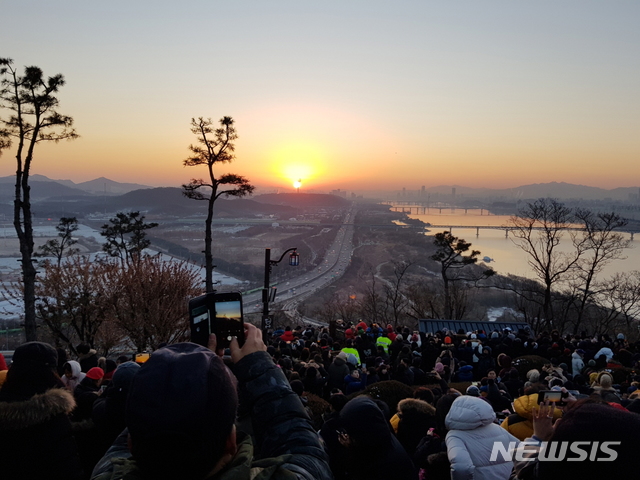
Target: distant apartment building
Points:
(339, 193)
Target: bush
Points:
(529, 362)
(389, 391)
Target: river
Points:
(506, 257)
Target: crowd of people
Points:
(251, 412)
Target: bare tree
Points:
(424, 302)
(372, 304)
(537, 229)
(63, 245)
(601, 244)
(149, 301)
(71, 299)
(395, 299)
(33, 119)
(216, 146)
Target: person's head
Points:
(592, 422)
(491, 374)
(366, 426)
(95, 374)
(34, 370)
(72, 369)
(181, 412)
(424, 393)
(83, 349)
(122, 359)
(605, 381)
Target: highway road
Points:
(295, 290)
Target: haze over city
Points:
(357, 95)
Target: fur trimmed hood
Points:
(35, 411)
(413, 405)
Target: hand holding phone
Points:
(218, 313)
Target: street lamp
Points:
(267, 296)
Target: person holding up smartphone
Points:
(181, 415)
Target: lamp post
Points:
(294, 261)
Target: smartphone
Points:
(551, 396)
(219, 313)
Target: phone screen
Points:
(553, 397)
(219, 313)
(228, 321)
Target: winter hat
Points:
(182, 405)
(298, 387)
(620, 336)
(447, 340)
(591, 363)
(474, 336)
(124, 374)
(342, 356)
(35, 354)
(95, 373)
(580, 351)
(606, 381)
(439, 367)
(399, 337)
(473, 391)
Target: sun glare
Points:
(296, 163)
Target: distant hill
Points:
(111, 187)
(39, 190)
(561, 190)
(302, 200)
(99, 186)
(157, 201)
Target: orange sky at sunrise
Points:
(361, 96)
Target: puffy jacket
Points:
(577, 364)
(354, 352)
(471, 438)
(606, 351)
(465, 374)
(383, 342)
(520, 423)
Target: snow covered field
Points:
(10, 265)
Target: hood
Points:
(364, 421)
(76, 369)
(524, 405)
(338, 361)
(504, 360)
(35, 411)
(576, 355)
(91, 353)
(469, 413)
(466, 368)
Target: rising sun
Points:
(297, 183)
